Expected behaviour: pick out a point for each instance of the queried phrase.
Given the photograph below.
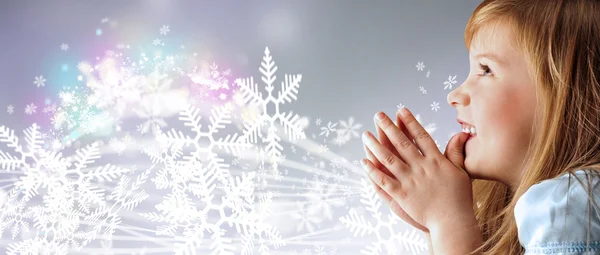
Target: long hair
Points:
(560, 40)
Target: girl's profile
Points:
(528, 160)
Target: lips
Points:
(467, 127)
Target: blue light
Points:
(98, 32)
(65, 67)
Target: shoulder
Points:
(552, 216)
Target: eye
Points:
(485, 68)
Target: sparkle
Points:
(39, 81)
(164, 30)
(30, 109)
(64, 47)
(420, 66)
(435, 106)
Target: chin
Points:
(479, 171)
(474, 170)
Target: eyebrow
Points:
(491, 57)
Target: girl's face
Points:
(498, 99)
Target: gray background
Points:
(355, 57)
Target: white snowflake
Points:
(10, 109)
(328, 129)
(420, 66)
(347, 131)
(39, 81)
(428, 73)
(181, 214)
(435, 106)
(64, 47)
(164, 30)
(400, 106)
(69, 191)
(30, 109)
(156, 42)
(451, 80)
(292, 123)
(318, 121)
(104, 20)
(423, 90)
(393, 240)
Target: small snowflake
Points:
(451, 80)
(423, 90)
(39, 81)
(420, 66)
(30, 109)
(400, 106)
(348, 129)
(64, 47)
(330, 128)
(435, 106)
(318, 122)
(323, 148)
(156, 42)
(164, 30)
(428, 73)
(10, 109)
(104, 20)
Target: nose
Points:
(458, 96)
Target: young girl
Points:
(530, 110)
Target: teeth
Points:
(469, 130)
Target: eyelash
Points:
(485, 67)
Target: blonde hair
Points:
(560, 41)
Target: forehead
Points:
(495, 38)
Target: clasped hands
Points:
(424, 187)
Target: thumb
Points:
(455, 149)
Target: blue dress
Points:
(541, 222)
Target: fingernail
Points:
(363, 162)
(404, 112)
(380, 115)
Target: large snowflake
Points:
(269, 109)
(193, 207)
(384, 231)
(65, 198)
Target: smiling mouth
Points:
(471, 131)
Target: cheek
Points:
(505, 131)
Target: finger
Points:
(385, 156)
(385, 141)
(455, 149)
(402, 127)
(407, 149)
(424, 142)
(385, 182)
(384, 195)
(376, 162)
